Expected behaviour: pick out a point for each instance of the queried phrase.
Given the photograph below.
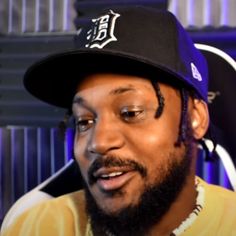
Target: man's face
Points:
(121, 148)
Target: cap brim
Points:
(55, 78)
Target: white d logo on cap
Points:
(102, 31)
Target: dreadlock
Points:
(183, 125)
(161, 99)
(184, 111)
(183, 118)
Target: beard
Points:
(154, 201)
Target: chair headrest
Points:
(221, 96)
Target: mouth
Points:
(110, 179)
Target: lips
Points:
(110, 179)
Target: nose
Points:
(105, 137)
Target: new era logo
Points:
(102, 31)
(196, 74)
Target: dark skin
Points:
(115, 117)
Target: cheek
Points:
(155, 140)
(153, 149)
(77, 148)
(80, 145)
(149, 151)
(79, 154)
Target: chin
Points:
(114, 202)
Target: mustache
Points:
(112, 161)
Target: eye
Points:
(83, 125)
(132, 114)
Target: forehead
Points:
(106, 84)
(104, 89)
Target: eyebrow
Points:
(121, 90)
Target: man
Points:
(137, 88)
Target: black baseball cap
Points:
(133, 40)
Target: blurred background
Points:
(30, 148)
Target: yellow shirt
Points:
(65, 216)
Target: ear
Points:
(199, 118)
